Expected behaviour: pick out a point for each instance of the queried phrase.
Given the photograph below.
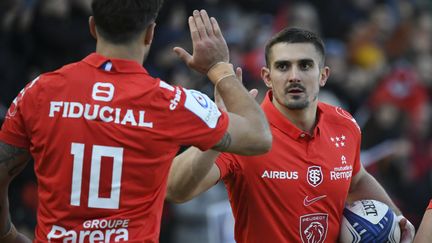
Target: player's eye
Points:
(306, 65)
(282, 66)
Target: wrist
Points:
(220, 71)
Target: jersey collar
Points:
(277, 119)
(118, 65)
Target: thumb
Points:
(253, 93)
(184, 55)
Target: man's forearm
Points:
(369, 188)
(424, 233)
(5, 222)
(12, 162)
(187, 172)
(248, 130)
(237, 100)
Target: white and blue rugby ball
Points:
(369, 221)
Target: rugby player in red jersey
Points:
(103, 132)
(297, 191)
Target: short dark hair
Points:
(295, 35)
(121, 21)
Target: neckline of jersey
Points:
(118, 65)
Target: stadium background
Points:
(380, 52)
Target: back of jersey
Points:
(103, 134)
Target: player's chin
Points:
(297, 104)
(296, 97)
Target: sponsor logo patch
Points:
(341, 172)
(281, 175)
(308, 202)
(313, 227)
(202, 106)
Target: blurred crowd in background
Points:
(379, 52)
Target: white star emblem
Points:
(332, 139)
(342, 144)
(337, 139)
(337, 145)
(343, 137)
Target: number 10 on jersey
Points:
(98, 151)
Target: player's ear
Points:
(324, 74)
(265, 75)
(92, 27)
(148, 38)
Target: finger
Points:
(402, 223)
(239, 74)
(216, 29)
(207, 24)
(253, 93)
(199, 24)
(219, 101)
(407, 231)
(195, 35)
(184, 55)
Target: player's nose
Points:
(294, 74)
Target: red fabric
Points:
(118, 161)
(430, 205)
(402, 88)
(273, 195)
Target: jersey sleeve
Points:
(357, 162)
(351, 124)
(227, 164)
(430, 205)
(15, 129)
(196, 119)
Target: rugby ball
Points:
(369, 221)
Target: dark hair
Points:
(295, 35)
(121, 21)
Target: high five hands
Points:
(209, 45)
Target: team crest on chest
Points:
(313, 227)
(314, 175)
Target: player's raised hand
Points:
(209, 46)
(218, 100)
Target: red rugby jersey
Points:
(430, 205)
(103, 133)
(296, 192)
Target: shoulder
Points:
(339, 118)
(54, 78)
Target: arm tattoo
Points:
(13, 158)
(224, 143)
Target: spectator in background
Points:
(15, 48)
(57, 31)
